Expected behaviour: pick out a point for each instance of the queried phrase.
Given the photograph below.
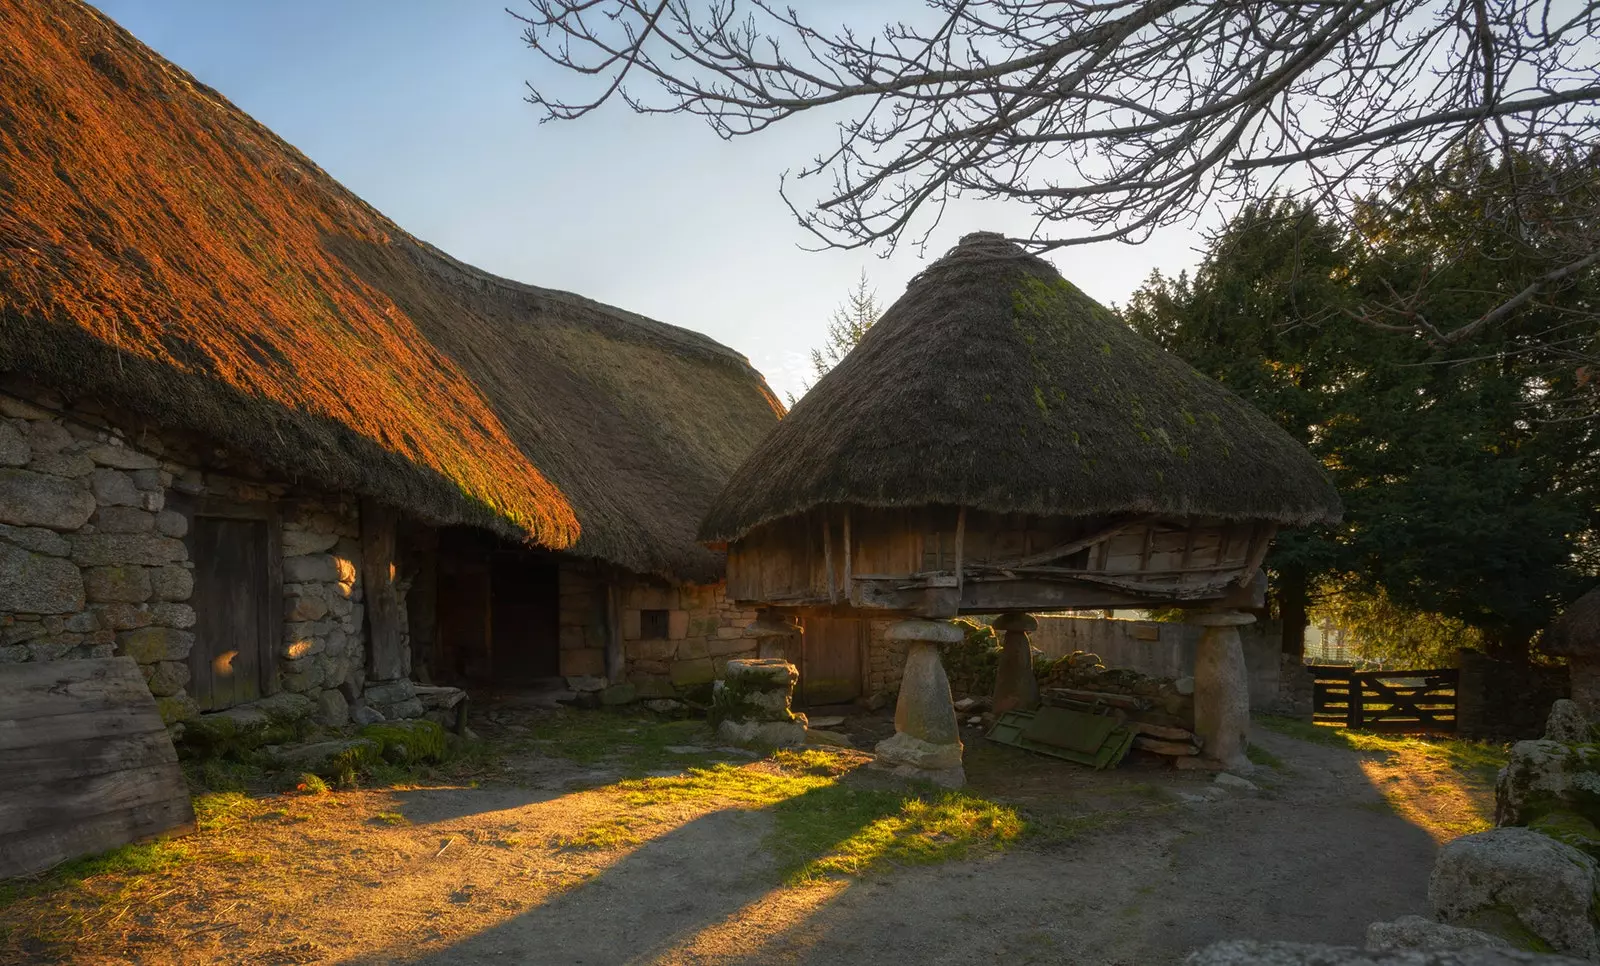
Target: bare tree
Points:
(1109, 119)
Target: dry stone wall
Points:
(676, 639)
(93, 561)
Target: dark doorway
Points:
(238, 604)
(497, 612)
(525, 617)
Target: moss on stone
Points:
(409, 742)
(1569, 828)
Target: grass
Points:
(636, 743)
(1443, 785)
(1265, 758)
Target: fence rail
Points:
(1412, 701)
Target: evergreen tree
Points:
(849, 322)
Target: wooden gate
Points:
(1415, 701)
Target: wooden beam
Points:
(961, 539)
(385, 659)
(616, 658)
(827, 556)
(849, 585)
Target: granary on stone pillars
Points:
(999, 443)
(1575, 635)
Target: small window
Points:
(653, 624)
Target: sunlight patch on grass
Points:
(606, 836)
(638, 743)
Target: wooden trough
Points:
(86, 764)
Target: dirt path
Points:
(1147, 864)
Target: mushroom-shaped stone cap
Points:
(761, 674)
(1016, 622)
(1577, 632)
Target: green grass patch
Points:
(220, 811)
(827, 825)
(607, 836)
(636, 743)
(390, 819)
(1463, 755)
(131, 862)
(1265, 758)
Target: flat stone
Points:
(1545, 886)
(147, 645)
(112, 549)
(123, 519)
(113, 488)
(1229, 780)
(584, 683)
(944, 777)
(319, 754)
(1415, 932)
(298, 543)
(364, 715)
(14, 449)
(762, 674)
(169, 614)
(664, 705)
(763, 734)
(171, 523)
(36, 539)
(167, 678)
(1566, 723)
(129, 584)
(821, 736)
(121, 457)
(310, 568)
(930, 632)
(172, 583)
(827, 721)
(332, 708)
(619, 694)
(687, 674)
(905, 749)
(36, 584)
(686, 750)
(30, 499)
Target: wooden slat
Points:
(109, 723)
(40, 848)
(62, 760)
(49, 688)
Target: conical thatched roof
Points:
(1577, 632)
(162, 251)
(995, 384)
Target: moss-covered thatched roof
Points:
(1576, 633)
(161, 250)
(995, 384)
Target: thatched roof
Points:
(161, 250)
(994, 383)
(1576, 633)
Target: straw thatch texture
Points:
(161, 250)
(996, 384)
(1577, 632)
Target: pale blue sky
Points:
(417, 107)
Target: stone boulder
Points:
(36, 584)
(1247, 952)
(1520, 884)
(1566, 723)
(1415, 932)
(1544, 776)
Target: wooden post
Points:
(616, 664)
(1354, 711)
(827, 557)
(961, 538)
(385, 659)
(849, 591)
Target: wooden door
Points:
(526, 617)
(231, 661)
(462, 631)
(830, 662)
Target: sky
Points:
(417, 106)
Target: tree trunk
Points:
(1293, 598)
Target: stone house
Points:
(257, 437)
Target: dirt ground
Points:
(555, 860)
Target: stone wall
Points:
(684, 646)
(1505, 700)
(886, 661)
(93, 562)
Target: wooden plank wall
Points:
(87, 763)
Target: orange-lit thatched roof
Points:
(161, 250)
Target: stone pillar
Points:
(1015, 687)
(1222, 690)
(926, 742)
(774, 634)
(1583, 672)
(750, 705)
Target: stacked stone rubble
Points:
(751, 704)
